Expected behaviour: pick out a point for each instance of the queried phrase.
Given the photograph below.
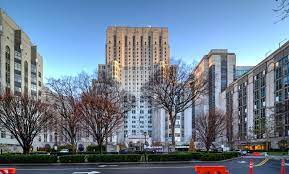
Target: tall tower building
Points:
(218, 68)
(132, 54)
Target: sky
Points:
(70, 34)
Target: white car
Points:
(243, 152)
(64, 151)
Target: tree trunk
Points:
(172, 129)
(208, 147)
(73, 146)
(26, 148)
(173, 136)
(100, 144)
(106, 144)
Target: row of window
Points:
(142, 41)
(141, 111)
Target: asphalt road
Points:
(236, 166)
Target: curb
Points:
(117, 163)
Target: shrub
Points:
(72, 159)
(170, 157)
(114, 158)
(8, 158)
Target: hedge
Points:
(8, 159)
(114, 158)
(170, 157)
(72, 159)
(214, 156)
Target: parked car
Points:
(64, 151)
(243, 152)
(124, 151)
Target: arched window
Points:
(7, 52)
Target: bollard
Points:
(251, 167)
(282, 166)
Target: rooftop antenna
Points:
(280, 43)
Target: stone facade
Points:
(21, 69)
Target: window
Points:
(3, 134)
(33, 87)
(18, 78)
(17, 66)
(33, 67)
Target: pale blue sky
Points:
(70, 34)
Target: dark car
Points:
(124, 151)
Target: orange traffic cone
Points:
(282, 166)
(251, 167)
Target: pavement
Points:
(235, 166)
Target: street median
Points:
(115, 158)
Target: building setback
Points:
(240, 70)
(21, 68)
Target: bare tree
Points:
(282, 9)
(102, 109)
(24, 117)
(230, 123)
(173, 88)
(65, 93)
(210, 127)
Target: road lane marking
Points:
(242, 162)
(92, 172)
(107, 165)
(262, 162)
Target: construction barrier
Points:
(256, 153)
(251, 167)
(8, 171)
(282, 166)
(211, 170)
